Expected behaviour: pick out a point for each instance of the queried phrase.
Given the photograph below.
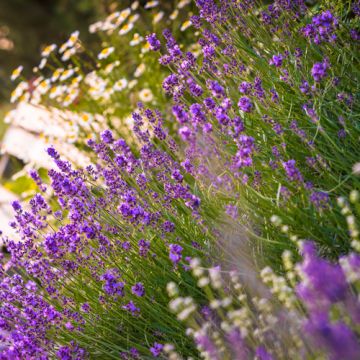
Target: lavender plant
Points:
(100, 258)
(311, 312)
(264, 159)
(275, 94)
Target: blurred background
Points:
(26, 28)
(27, 25)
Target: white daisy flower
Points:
(70, 42)
(70, 98)
(68, 54)
(185, 25)
(145, 95)
(72, 135)
(105, 53)
(73, 38)
(134, 18)
(137, 39)
(76, 80)
(135, 5)
(124, 14)
(56, 91)
(16, 73)
(139, 70)
(126, 28)
(183, 3)
(93, 28)
(151, 4)
(112, 17)
(48, 50)
(37, 81)
(66, 74)
(110, 67)
(85, 119)
(120, 85)
(42, 63)
(56, 74)
(174, 14)
(19, 91)
(158, 17)
(132, 83)
(145, 48)
(44, 86)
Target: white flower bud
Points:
(176, 304)
(276, 220)
(204, 281)
(354, 196)
(183, 315)
(227, 301)
(341, 201)
(215, 304)
(172, 289)
(168, 348)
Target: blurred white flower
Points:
(137, 39)
(105, 53)
(134, 18)
(139, 70)
(183, 3)
(145, 95)
(151, 4)
(16, 73)
(66, 74)
(48, 50)
(174, 14)
(42, 63)
(132, 83)
(356, 168)
(135, 5)
(126, 28)
(120, 85)
(185, 25)
(158, 17)
(70, 42)
(56, 74)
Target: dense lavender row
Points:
(231, 233)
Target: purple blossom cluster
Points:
(323, 287)
(276, 60)
(95, 224)
(256, 124)
(112, 285)
(319, 70)
(154, 42)
(292, 172)
(322, 28)
(321, 311)
(245, 104)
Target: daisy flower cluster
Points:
(110, 82)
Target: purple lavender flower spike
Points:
(156, 349)
(319, 71)
(154, 42)
(245, 104)
(292, 171)
(175, 253)
(276, 60)
(138, 289)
